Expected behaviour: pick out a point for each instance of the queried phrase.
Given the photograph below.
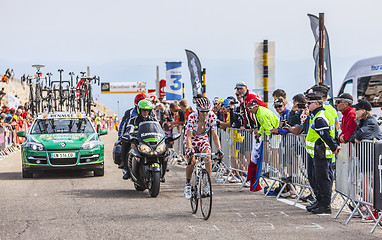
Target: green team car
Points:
(62, 141)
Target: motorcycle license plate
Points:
(63, 155)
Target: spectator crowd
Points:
(308, 113)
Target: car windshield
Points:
(370, 88)
(47, 126)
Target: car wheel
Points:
(27, 174)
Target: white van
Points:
(364, 81)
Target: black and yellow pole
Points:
(265, 71)
(321, 49)
(183, 90)
(204, 83)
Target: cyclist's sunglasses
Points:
(204, 111)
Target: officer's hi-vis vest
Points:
(313, 136)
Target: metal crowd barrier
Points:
(177, 152)
(355, 177)
(6, 146)
(236, 145)
(285, 161)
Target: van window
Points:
(347, 87)
(370, 88)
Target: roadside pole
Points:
(183, 91)
(265, 71)
(157, 87)
(321, 49)
(204, 82)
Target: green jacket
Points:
(267, 120)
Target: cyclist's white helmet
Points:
(203, 104)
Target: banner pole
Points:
(265, 71)
(204, 83)
(321, 49)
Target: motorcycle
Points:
(146, 163)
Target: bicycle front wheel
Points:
(205, 194)
(194, 193)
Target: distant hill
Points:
(15, 88)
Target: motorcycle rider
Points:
(144, 110)
(196, 138)
(132, 112)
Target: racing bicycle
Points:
(201, 188)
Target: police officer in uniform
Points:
(321, 147)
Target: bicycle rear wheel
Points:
(205, 194)
(194, 193)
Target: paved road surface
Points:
(80, 206)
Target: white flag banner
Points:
(13, 102)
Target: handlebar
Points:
(204, 154)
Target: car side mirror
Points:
(103, 132)
(21, 133)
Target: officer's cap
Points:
(313, 97)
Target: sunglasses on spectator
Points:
(278, 106)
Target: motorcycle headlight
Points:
(90, 145)
(144, 148)
(161, 148)
(35, 146)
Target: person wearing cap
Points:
(247, 95)
(323, 89)
(321, 146)
(367, 127)
(348, 124)
(224, 111)
(265, 120)
(283, 112)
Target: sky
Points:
(125, 40)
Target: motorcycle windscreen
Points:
(150, 131)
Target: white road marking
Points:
(283, 213)
(313, 226)
(211, 229)
(239, 214)
(253, 214)
(292, 203)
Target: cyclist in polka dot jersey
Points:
(196, 138)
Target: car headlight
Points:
(90, 145)
(35, 146)
(144, 148)
(161, 148)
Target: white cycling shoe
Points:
(187, 191)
